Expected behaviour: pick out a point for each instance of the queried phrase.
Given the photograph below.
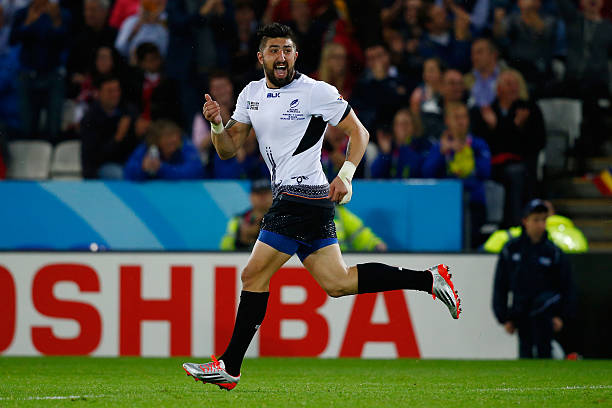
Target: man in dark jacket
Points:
(110, 132)
(538, 275)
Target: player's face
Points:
(278, 60)
(535, 226)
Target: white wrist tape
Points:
(346, 175)
(216, 128)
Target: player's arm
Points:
(227, 140)
(340, 190)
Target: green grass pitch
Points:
(276, 382)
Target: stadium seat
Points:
(66, 163)
(495, 195)
(562, 114)
(30, 159)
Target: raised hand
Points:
(211, 110)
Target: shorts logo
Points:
(252, 105)
(294, 103)
(273, 95)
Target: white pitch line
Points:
(568, 388)
(53, 397)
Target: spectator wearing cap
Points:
(243, 229)
(538, 275)
(165, 155)
(561, 230)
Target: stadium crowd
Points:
(446, 88)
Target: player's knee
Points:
(251, 280)
(337, 290)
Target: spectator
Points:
(461, 155)
(432, 111)
(514, 130)
(164, 156)
(476, 12)
(247, 164)
(589, 49)
(334, 69)
(90, 38)
(538, 275)
(146, 26)
(530, 41)
(42, 30)
(402, 152)
(430, 89)
(7, 14)
(109, 132)
(107, 63)
(401, 16)
(309, 32)
(380, 91)
(243, 229)
(9, 71)
(353, 234)
(482, 80)
(200, 32)
(560, 229)
(123, 9)
(244, 45)
(438, 40)
(156, 96)
(221, 90)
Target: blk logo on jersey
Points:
(273, 95)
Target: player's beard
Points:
(279, 82)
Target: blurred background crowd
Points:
(503, 95)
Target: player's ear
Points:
(260, 57)
(296, 54)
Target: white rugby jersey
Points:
(290, 123)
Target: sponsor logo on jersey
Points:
(252, 105)
(273, 95)
(293, 113)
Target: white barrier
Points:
(163, 304)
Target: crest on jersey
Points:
(294, 103)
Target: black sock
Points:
(377, 277)
(251, 312)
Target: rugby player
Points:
(289, 113)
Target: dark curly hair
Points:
(274, 30)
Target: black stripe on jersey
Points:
(346, 112)
(313, 133)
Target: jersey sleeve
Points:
(241, 113)
(327, 102)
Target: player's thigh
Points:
(327, 267)
(263, 263)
